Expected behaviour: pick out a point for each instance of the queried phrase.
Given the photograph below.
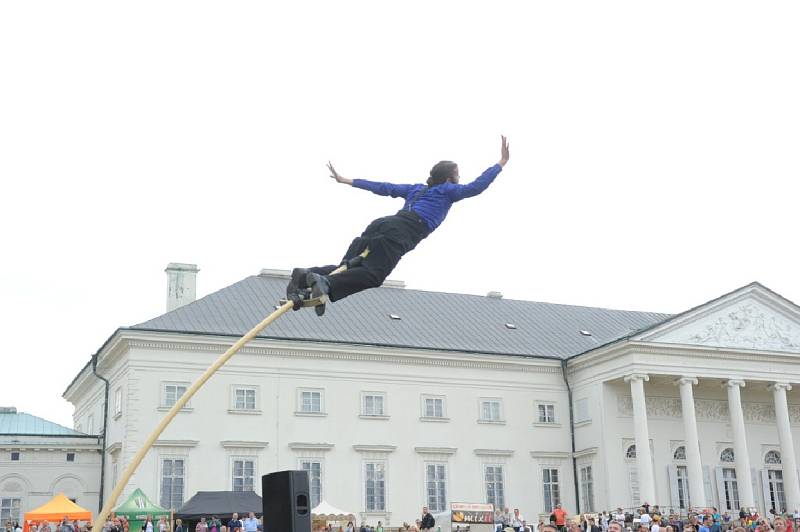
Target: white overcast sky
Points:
(654, 153)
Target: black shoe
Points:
(319, 287)
(297, 283)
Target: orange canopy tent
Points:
(55, 510)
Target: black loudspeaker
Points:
(287, 501)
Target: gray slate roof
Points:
(428, 320)
(18, 423)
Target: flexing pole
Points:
(100, 521)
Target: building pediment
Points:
(752, 318)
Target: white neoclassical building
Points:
(40, 459)
(399, 398)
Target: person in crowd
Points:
(162, 525)
(644, 516)
(235, 524)
(66, 525)
(619, 516)
(706, 526)
(559, 516)
(616, 526)
(516, 520)
(179, 525)
(202, 525)
(589, 524)
(148, 524)
(427, 522)
(250, 523)
(350, 527)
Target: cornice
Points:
(176, 443)
(435, 450)
(494, 452)
(374, 448)
(585, 452)
(352, 353)
(560, 455)
(242, 444)
(114, 447)
(307, 446)
(50, 446)
(696, 354)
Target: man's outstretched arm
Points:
(381, 189)
(339, 179)
(459, 192)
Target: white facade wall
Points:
(43, 471)
(210, 433)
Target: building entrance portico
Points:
(701, 442)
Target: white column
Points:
(788, 459)
(644, 461)
(697, 494)
(743, 478)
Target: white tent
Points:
(328, 512)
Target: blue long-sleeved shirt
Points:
(434, 204)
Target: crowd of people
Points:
(647, 518)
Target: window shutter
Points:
(754, 479)
(633, 478)
(672, 474)
(765, 489)
(709, 491)
(721, 503)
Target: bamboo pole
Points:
(182, 400)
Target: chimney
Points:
(181, 284)
(495, 295)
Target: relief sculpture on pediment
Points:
(751, 328)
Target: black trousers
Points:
(388, 239)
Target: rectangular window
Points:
(495, 490)
(90, 424)
(682, 478)
(244, 472)
(173, 392)
(777, 497)
(490, 410)
(9, 510)
(244, 399)
(582, 410)
(314, 469)
(373, 404)
(547, 413)
(731, 496)
(311, 401)
(587, 489)
(375, 486)
(118, 402)
(435, 482)
(70, 457)
(433, 407)
(114, 471)
(173, 478)
(552, 492)
(15, 456)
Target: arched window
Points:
(772, 457)
(727, 456)
(631, 452)
(680, 453)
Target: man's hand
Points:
(335, 175)
(503, 151)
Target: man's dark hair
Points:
(441, 172)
